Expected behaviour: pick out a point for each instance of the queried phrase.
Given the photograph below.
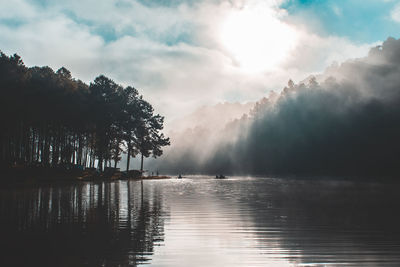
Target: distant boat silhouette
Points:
(220, 176)
(179, 176)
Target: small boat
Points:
(179, 176)
(220, 176)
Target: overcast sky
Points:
(184, 54)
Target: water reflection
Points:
(202, 222)
(317, 223)
(274, 222)
(80, 224)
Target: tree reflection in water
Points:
(320, 223)
(240, 221)
(80, 224)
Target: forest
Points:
(343, 122)
(50, 119)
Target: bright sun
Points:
(257, 39)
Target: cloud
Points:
(171, 52)
(396, 13)
(313, 53)
(337, 10)
(345, 122)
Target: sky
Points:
(183, 54)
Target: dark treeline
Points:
(344, 122)
(52, 119)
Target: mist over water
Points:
(345, 121)
(200, 221)
(200, 133)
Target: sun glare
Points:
(257, 39)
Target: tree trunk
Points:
(73, 149)
(141, 166)
(32, 154)
(85, 158)
(141, 174)
(100, 163)
(129, 156)
(40, 144)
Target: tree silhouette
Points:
(52, 119)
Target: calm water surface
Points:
(200, 221)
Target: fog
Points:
(344, 121)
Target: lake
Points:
(201, 221)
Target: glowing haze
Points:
(257, 38)
(183, 54)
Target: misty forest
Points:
(177, 133)
(51, 119)
(345, 121)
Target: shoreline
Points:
(35, 174)
(58, 174)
